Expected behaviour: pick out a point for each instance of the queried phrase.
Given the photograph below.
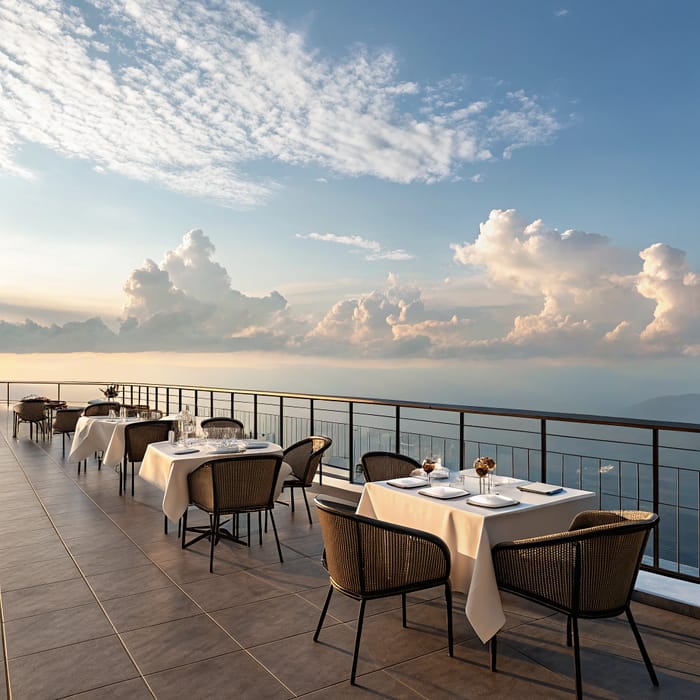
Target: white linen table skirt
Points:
(470, 532)
(168, 471)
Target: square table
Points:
(164, 468)
(470, 532)
(96, 433)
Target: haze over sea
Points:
(481, 203)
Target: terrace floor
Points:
(97, 602)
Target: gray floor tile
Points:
(218, 677)
(117, 584)
(68, 670)
(36, 600)
(188, 640)
(29, 635)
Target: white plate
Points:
(492, 500)
(407, 482)
(440, 474)
(253, 445)
(443, 492)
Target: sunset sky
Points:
(432, 189)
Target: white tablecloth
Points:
(168, 471)
(471, 531)
(94, 433)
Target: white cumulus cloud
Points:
(373, 249)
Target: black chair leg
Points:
(493, 644)
(260, 527)
(568, 630)
(165, 524)
(306, 500)
(323, 613)
(184, 527)
(577, 658)
(403, 609)
(277, 539)
(291, 497)
(132, 479)
(214, 530)
(360, 620)
(642, 648)
(450, 634)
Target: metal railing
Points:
(629, 463)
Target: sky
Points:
(491, 202)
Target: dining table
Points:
(100, 434)
(166, 466)
(470, 531)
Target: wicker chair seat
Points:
(368, 558)
(588, 571)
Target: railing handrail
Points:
(592, 419)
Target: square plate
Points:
(407, 482)
(444, 492)
(492, 500)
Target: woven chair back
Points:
(101, 409)
(381, 466)
(367, 557)
(223, 422)
(31, 411)
(235, 485)
(305, 456)
(138, 436)
(66, 419)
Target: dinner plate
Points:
(186, 452)
(407, 482)
(443, 492)
(492, 500)
(252, 445)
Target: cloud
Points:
(520, 289)
(561, 13)
(675, 290)
(189, 299)
(190, 96)
(374, 250)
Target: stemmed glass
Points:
(429, 464)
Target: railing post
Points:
(58, 392)
(281, 429)
(351, 443)
(196, 402)
(655, 489)
(167, 400)
(211, 404)
(179, 399)
(312, 427)
(232, 403)
(148, 396)
(461, 440)
(255, 416)
(543, 450)
(397, 443)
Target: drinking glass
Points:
(429, 464)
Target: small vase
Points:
(483, 485)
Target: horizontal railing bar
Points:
(456, 408)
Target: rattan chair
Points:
(32, 411)
(368, 559)
(102, 408)
(64, 423)
(304, 458)
(137, 438)
(380, 466)
(587, 572)
(224, 422)
(226, 486)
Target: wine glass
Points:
(428, 466)
(491, 466)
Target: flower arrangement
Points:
(111, 391)
(484, 465)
